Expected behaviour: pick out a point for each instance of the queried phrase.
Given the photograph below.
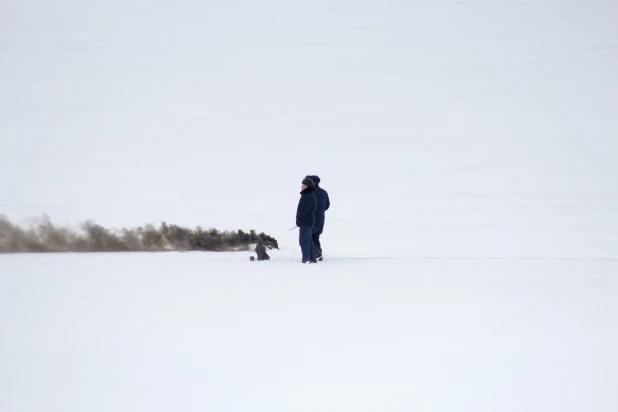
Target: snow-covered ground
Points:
(469, 149)
(200, 331)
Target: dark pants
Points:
(306, 243)
(316, 241)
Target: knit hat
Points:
(316, 180)
(308, 182)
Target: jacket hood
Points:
(315, 179)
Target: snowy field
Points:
(471, 251)
(198, 331)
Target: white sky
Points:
(132, 111)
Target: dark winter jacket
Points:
(305, 215)
(323, 205)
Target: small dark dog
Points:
(260, 249)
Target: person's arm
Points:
(327, 201)
(304, 208)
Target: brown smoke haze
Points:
(44, 236)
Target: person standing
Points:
(320, 215)
(305, 220)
